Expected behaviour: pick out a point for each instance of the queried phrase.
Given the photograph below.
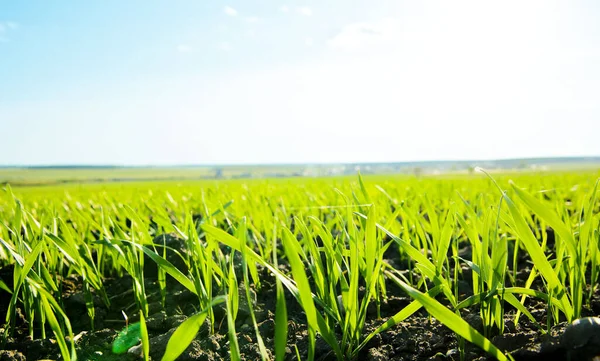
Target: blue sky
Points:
(204, 82)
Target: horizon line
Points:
(209, 165)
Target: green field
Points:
(60, 175)
(298, 268)
(50, 176)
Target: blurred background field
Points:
(31, 176)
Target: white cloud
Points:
(308, 41)
(252, 19)
(230, 11)
(284, 9)
(304, 10)
(5, 28)
(184, 48)
(250, 33)
(362, 35)
(225, 46)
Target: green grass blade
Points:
(403, 314)
(537, 255)
(144, 337)
(186, 332)
(453, 321)
(58, 333)
(167, 266)
(234, 347)
(281, 324)
(545, 212)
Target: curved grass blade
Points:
(58, 333)
(403, 314)
(536, 253)
(167, 266)
(451, 320)
(186, 332)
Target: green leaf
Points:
(452, 321)
(234, 347)
(400, 316)
(186, 332)
(144, 337)
(167, 266)
(126, 339)
(538, 257)
(53, 322)
(545, 212)
(183, 336)
(281, 324)
(290, 246)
